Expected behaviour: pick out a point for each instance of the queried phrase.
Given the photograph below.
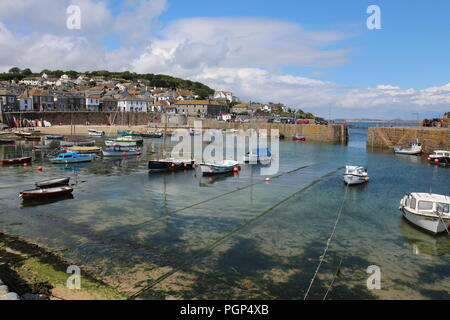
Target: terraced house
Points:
(201, 108)
(132, 104)
(8, 100)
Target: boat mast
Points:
(165, 133)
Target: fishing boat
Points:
(72, 157)
(16, 161)
(220, 167)
(53, 183)
(355, 175)
(96, 133)
(7, 141)
(427, 210)
(118, 151)
(128, 133)
(153, 134)
(170, 164)
(54, 138)
(112, 143)
(440, 157)
(45, 193)
(77, 143)
(258, 156)
(415, 148)
(297, 137)
(84, 150)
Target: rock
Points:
(3, 290)
(1, 282)
(30, 296)
(10, 296)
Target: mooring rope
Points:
(338, 272)
(322, 258)
(227, 236)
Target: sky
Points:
(319, 55)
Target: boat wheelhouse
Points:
(427, 210)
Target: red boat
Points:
(45, 193)
(296, 137)
(16, 161)
(22, 134)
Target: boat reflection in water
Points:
(422, 243)
(205, 181)
(42, 202)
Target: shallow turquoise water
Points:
(237, 236)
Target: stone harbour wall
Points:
(388, 137)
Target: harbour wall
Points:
(93, 118)
(388, 137)
(312, 132)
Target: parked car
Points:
(321, 121)
(302, 122)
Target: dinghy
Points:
(16, 161)
(45, 193)
(427, 210)
(355, 175)
(96, 133)
(220, 167)
(53, 183)
(297, 137)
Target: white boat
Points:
(112, 143)
(118, 151)
(355, 175)
(96, 133)
(220, 167)
(414, 149)
(427, 210)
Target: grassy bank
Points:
(28, 268)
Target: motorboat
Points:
(54, 138)
(45, 193)
(415, 148)
(118, 151)
(427, 210)
(135, 139)
(128, 133)
(170, 164)
(258, 156)
(441, 157)
(16, 161)
(7, 141)
(219, 167)
(112, 143)
(96, 133)
(53, 183)
(297, 137)
(153, 134)
(355, 175)
(72, 157)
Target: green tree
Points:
(27, 72)
(14, 70)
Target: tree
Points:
(14, 70)
(27, 72)
(201, 93)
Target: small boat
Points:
(170, 164)
(297, 137)
(414, 149)
(258, 156)
(7, 141)
(153, 134)
(219, 168)
(54, 138)
(427, 210)
(112, 143)
(45, 193)
(16, 161)
(77, 143)
(22, 133)
(53, 183)
(33, 138)
(84, 150)
(355, 175)
(441, 157)
(72, 157)
(118, 151)
(96, 133)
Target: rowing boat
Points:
(60, 182)
(45, 193)
(16, 161)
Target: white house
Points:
(227, 95)
(32, 82)
(25, 103)
(93, 103)
(132, 105)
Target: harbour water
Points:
(237, 236)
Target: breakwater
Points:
(319, 133)
(387, 137)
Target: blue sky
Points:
(317, 55)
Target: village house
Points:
(43, 100)
(93, 103)
(132, 105)
(8, 100)
(203, 108)
(25, 102)
(32, 81)
(108, 103)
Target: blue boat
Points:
(258, 155)
(54, 138)
(72, 157)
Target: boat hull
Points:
(121, 143)
(440, 160)
(209, 169)
(433, 225)
(121, 153)
(16, 161)
(45, 193)
(167, 165)
(351, 179)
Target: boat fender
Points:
(40, 168)
(173, 165)
(25, 165)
